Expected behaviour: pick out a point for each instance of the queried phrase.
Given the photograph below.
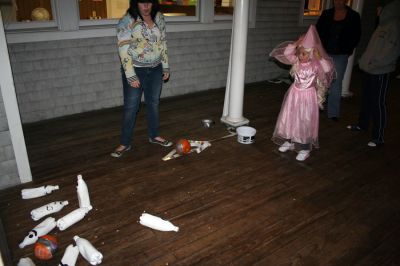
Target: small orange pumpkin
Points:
(183, 146)
(45, 247)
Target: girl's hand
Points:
(165, 76)
(135, 84)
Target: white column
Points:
(228, 79)
(237, 61)
(12, 111)
(357, 6)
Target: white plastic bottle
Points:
(47, 209)
(40, 230)
(71, 218)
(70, 256)
(30, 193)
(88, 251)
(26, 262)
(83, 193)
(157, 223)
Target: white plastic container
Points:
(157, 223)
(88, 251)
(83, 194)
(47, 209)
(30, 193)
(246, 135)
(71, 218)
(40, 230)
(26, 262)
(70, 256)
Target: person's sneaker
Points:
(348, 95)
(374, 144)
(354, 128)
(164, 142)
(371, 144)
(286, 146)
(118, 153)
(302, 155)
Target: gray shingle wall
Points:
(58, 78)
(8, 166)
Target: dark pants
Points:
(373, 105)
(335, 91)
(150, 84)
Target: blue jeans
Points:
(335, 91)
(150, 84)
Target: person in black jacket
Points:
(377, 62)
(339, 29)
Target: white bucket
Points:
(246, 135)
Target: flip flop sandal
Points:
(117, 154)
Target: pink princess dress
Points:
(298, 120)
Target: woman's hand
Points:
(135, 84)
(165, 76)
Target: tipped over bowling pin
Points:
(40, 230)
(47, 209)
(25, 262)
(157, 223)
(88, 251)
(30, 193)
(71, 218)
(83, 193)
(70, 256)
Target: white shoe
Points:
(286, 146)
(372, 144)
(347, 94)
(303, 154)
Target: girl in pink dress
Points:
(312, 70)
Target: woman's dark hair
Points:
(133, 9)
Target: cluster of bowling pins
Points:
(83, 246)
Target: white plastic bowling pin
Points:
(157, 223)
(25, 262)
(71, 218)
(83, 194)
(90, 253)
(30, 193)
(70, 256)
(47, 209)
(40, 230)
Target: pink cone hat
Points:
(311, 39)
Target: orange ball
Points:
(45, 247)
(183, 146)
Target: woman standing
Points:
(340, 30)
(143, 53)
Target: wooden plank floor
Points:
(235, 204)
